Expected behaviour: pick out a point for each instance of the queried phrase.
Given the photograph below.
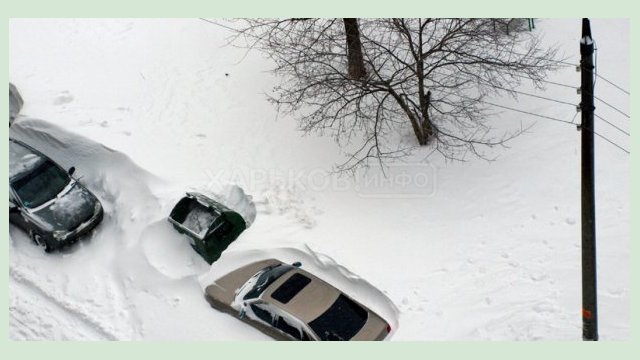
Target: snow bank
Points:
(106, 172)
(15, 102)
(21, 160)
(131, 263)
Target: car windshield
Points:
(40, 185)
(264, 278)
(341, 321)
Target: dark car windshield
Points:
(41, 185)
(265, 278)
(341, 321)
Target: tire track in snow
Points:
(86, 319)
(34, 317)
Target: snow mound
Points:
(15, 102)
(106, 172)
(169, 253)
(321, 265)
(232, 196)
(63, 98)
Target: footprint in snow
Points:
(64, 97)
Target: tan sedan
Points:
(288, 303)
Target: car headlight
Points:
(60, 235)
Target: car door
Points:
(263, 313)
(291, 327)
(16, 216)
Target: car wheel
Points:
(38, 240)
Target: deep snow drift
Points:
(483, 250)
(133, 240)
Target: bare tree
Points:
(431, 74)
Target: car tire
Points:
(39, 241)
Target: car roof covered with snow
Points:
(22, 159)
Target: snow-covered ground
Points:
(148, 109)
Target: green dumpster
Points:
(210, 225)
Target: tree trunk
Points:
(426, 127)
(354, 49)
(415, 123)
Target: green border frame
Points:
(324, 8)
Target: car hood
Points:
(69, 209)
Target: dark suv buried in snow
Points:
(45, 201)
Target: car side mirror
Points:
(243, 313)
(72, 170)
(13, 208)
(296, 264)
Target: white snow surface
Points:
(148, 109)
(21, 160)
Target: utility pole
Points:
(589, 288)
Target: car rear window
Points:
(341, 321)
(290, 288)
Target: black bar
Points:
(589, 288)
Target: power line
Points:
(614, 85)
(613, 107)
(594, 84)
(556, 83)
(595, 63)
(526, 77)
(573, 87)
(527, 112)
(565, 63)
(568, 86)
(537, 96)
(612, 143)
(574, 117)
(558, 120)
(605, 120)
(559, 101)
